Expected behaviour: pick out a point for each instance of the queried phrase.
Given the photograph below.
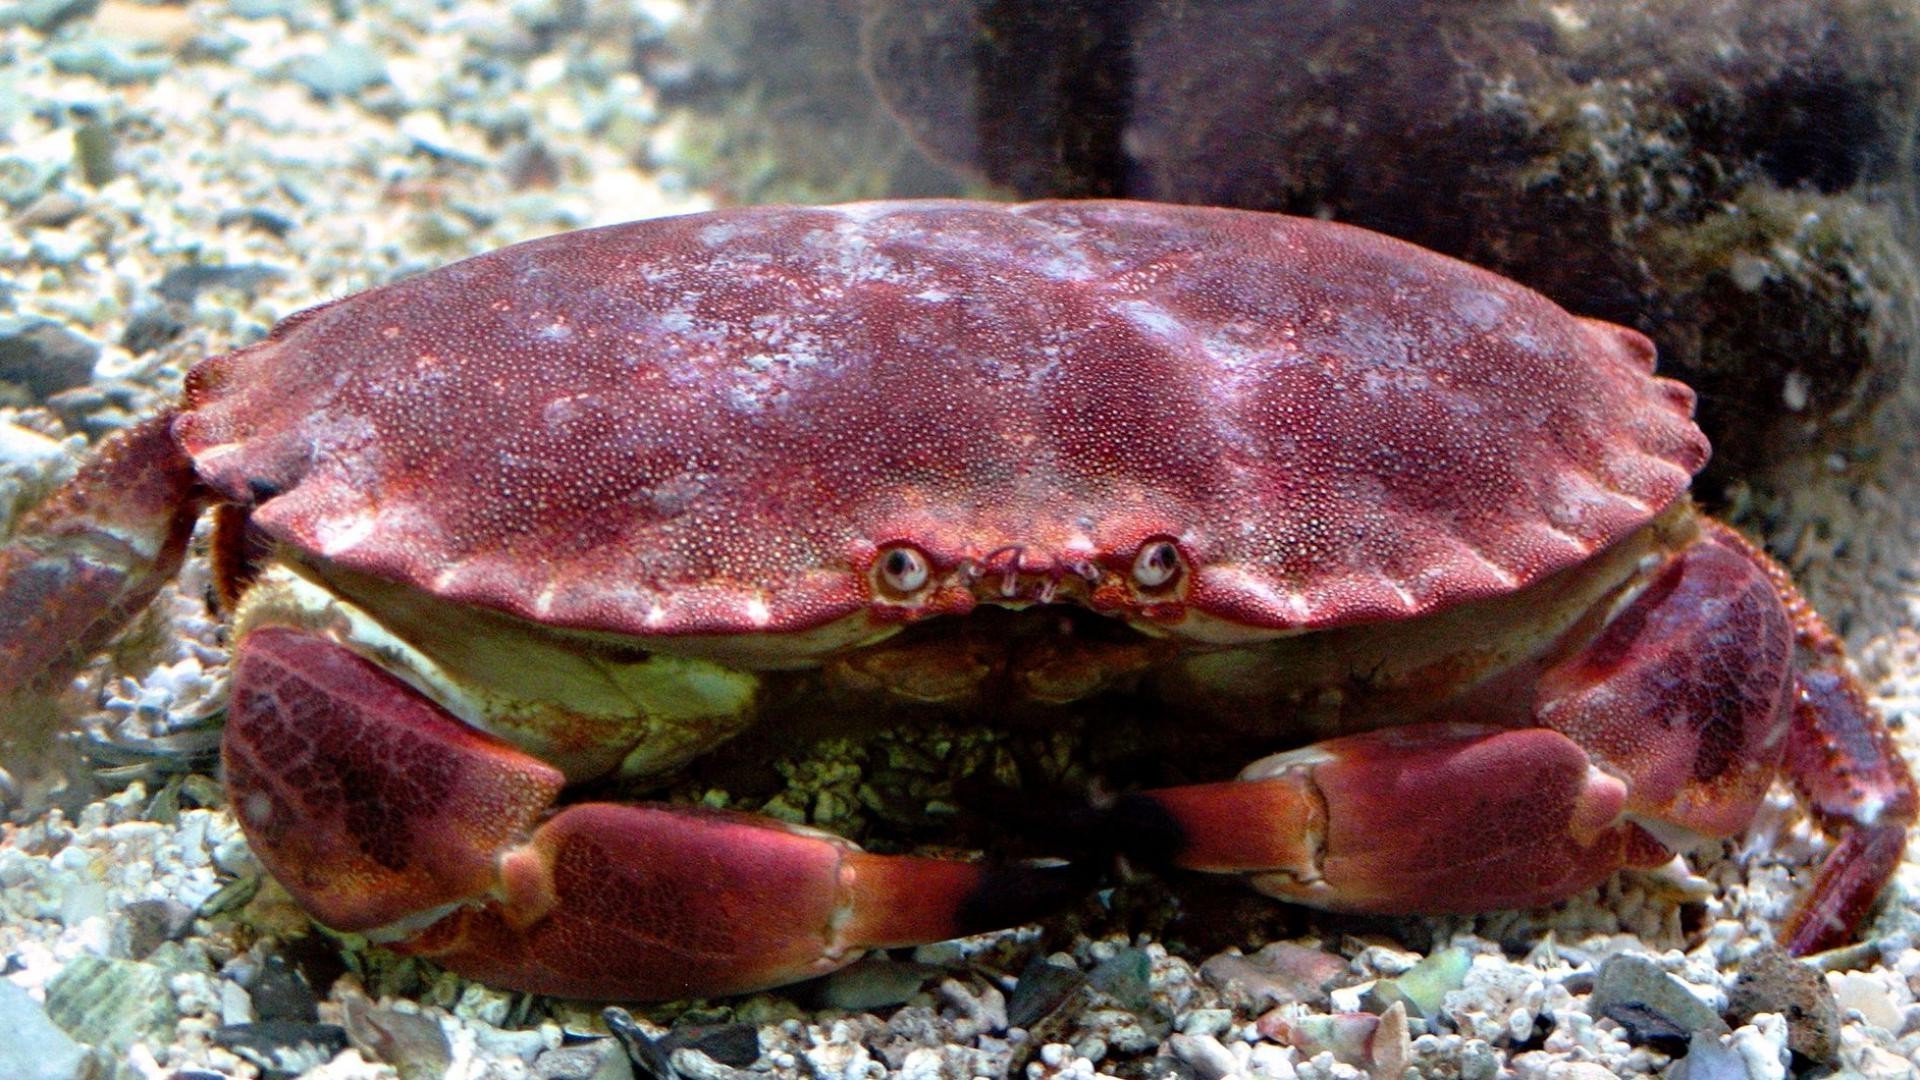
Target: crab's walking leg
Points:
(83, 563)
(382, 813)
(1665, 729)
(1844, 762)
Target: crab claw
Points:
(385, 815)
(665, 902)
(1428, 818)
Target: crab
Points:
(589, 506)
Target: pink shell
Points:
(707, 424)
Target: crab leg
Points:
(1664, 730)
(79, 566)
(383, 814)
(1847, 769)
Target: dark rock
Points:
(1124, 978)
(1654, 1007)
(44, 356)
(1043, 988)
(150, 327)
(729, 1044)
(281, 993)
(151, 922)
(1771, 981)
(283, 1049)
(259, 220)
(1156, 1068)
(182, 283)
(648, 1060)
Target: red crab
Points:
(595, 503)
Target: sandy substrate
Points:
(177, 178)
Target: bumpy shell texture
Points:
(709, 424)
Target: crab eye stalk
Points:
(1157, 565)
(901, 570)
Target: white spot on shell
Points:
(336, 535)
(758, 613)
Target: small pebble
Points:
(1867, 995)
(1210, 1059)
(151, 922)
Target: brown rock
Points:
(1770, 981)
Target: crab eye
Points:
(1157, 564)
(902, 570)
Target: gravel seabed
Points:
(296, 159)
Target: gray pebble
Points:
(1653, 1006)
(182, 283)
(602, 1060)
(34, 1049)
(44, 356)
(50, 211)
(111, 60)
(1707, 1060)
(342, 70)
(46, 16)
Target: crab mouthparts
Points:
(1018, 575)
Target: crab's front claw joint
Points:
(383, 814)
(1422, 819)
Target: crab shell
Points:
(710, 427)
